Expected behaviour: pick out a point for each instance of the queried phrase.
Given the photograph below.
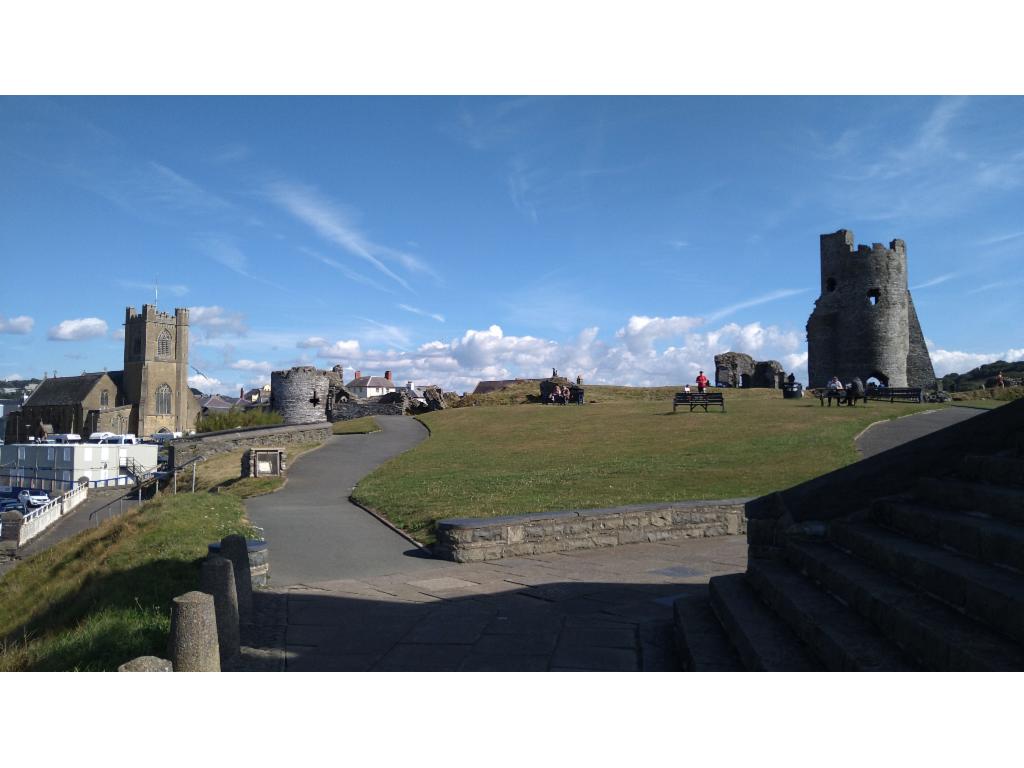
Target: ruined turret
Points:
(864, 323)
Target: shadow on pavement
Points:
(448, 626)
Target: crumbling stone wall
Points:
(300, 394)
(736, 369)
(346, 411)
(864, 323)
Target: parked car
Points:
(8, 504)
(33, 497)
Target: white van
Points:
(69, 438)
(100, 437)
(122, 440)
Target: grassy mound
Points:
(625, 446)
(103, 597)
(361, 426)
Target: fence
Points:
(41, 518)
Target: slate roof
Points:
(216, 403)
(66, 390)
(371, 381)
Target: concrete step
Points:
(1002, 501)
(992, 595)
(762, 640)
(983, 538)
(927, 630)
(1000, 469)
(842, 640)
(701, 640)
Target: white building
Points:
(58, 467)
(370, 386)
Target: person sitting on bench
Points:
(836, 390)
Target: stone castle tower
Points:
(156, 370)
(864, 323)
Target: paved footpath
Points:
(315, 533)
(889, 434)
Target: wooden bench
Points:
(839, 395)
(698, 400)
(895, 394)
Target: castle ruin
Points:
(864, 323)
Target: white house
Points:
(371, 386)
(58, 467)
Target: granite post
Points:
(147, 664)
(217, 578)
(236, 549)
(193, 643)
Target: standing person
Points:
(702, 382)
(999, 380)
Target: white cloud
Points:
(14, 377)
(118, 334)
(955, 361)
(342, 350)
(217, 321)
(78, 329)
(20, 325)
(203, 383)
(252, 366)
(640, 332)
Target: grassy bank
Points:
(362, 426)
(103, 597)
(625, 447)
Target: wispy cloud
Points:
(78, 329)
(383, 333)
(170, 188)
(764, 299)
(348, 273)
(996, 285)
(1000, 239)
(217, 321)
(224, 250)
(333, 223)
(423, 313)
(175, 289)
(935, 281)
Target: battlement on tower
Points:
(150, 314)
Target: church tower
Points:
(156, 371)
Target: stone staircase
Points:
(930, 577)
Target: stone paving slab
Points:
(603, 610)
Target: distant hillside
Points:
(982, 376)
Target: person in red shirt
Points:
(702, 382)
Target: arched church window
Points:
(163, 344)
(163, 400)
(104, 398)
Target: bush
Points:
(236, 417)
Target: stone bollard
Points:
(236, 549)
(217, 578)
(147, 664)
(10, 525)
(193, 642)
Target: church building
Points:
(151, 394)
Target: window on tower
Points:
(163, 344)
(163, 400)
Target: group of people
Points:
(563, 395)
(850, 392)
(702, 384)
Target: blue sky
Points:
(456, 239)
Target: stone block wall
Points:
(212, 443)
(356, 410)
(472, 540)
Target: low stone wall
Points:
(474, 539)
(212, 443)
(349, 411)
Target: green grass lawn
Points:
(103, 597)
(625, 447)
(361, 426)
